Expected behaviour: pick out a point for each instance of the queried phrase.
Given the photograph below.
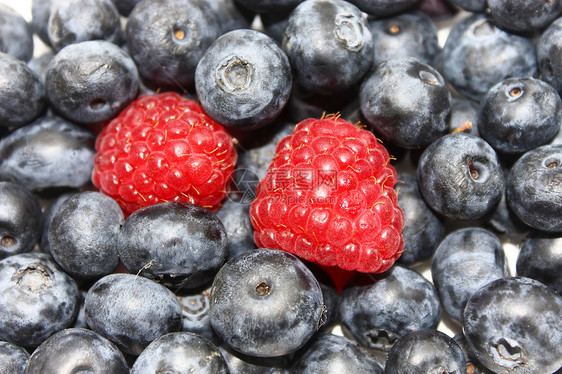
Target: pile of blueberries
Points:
(474, 126)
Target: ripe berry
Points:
(163, 148)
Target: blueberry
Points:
(13, 358)
(411, 34)
(265, 303)
(513, 325)
(473, 366)
(37, 299)
(261, 6)
(425, 351)
(540, 258)
(16, 35)
(274, 23)
(394, 304)
(168, 38)
(524, 16)
(180, 352)
(330, 354)
(22, 93)
(78, 21)
(39, 64)
(48, 214)
(21, 219)
(406, 101)
(177, 244)
(463, 116)
(239, 363)
(231, 15)
(40, 12)
(131, 311)
(50, 152)
(466, 260)
(384, 8)
(196, 316)
(83, 235)
(91, 82)
(476, 6)
(244, 79)
(477, 55)
(235, 217)
(503, 220)
(534, 188)
(460, 176)
(423, 229)
(77, 350)
(519, 114)
(329, 45)
(124, 7)
(549, 55)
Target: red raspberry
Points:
(163, 148)
(328, 197)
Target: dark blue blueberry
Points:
(244, 79)
(524, 16)
(265, 303)
(22, 93)
(549, 55)
(195, 314)
(540, 258)
(50, 152)
(460, 176)
(77, 350)
(83, 235)
(40, 12)
(180, 352)
(179, 245)
(466, 260)
(438, 10)
(124, 7)
(48, 214)
(473, 366)
(463, 116)
(503, 220)
(477, 55)
(21, 220)
(406, 101)
(329, 45)
(16, 35)
(91, 82)
(235, 216)
(333, 354)
(76, 21)
(80, 320)
(13, 358)
(384, 8)
(423, 229)
(519, 114)
(269, 5)
(37, 299)
(534, 188)
(425, 351)
(394, 304)
(39, 64)
(513, 325)
(231, 14)
(167, 39)
(305, 104)
(131, 311)
(405, 35)
(239, 363)
(477, 6)
(274, 23)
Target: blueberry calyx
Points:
(507, 353)
(7, 241)
(33, 278)
(180, 33)
(235, 74)
(263, 289)
(349, 31)
(484, 29)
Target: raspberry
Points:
(163, 148)
(328, 198)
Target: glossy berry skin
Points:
(16, 35)
(243, 80)
(265, 303)
(328, 197)
(168, 38)
(384, 8)
(520, 114)
(50, 152)
(477, 55)
(131, 311)
(331, 353)
(78, 21)
(21, 219)
(163, 148)
(425, 351)
(83, 235)
(549, 55)
(524, 16)
(48, 214)
(423, 229)
(466, 260)
(534, 188)
(77, 350)
(37, 299)
(412, 123)
(180, 352)
(460, 176)
(177, 244)
(239, 363)
(540, 258)
(91, 82)
(379, 313)
(22, 93)
(329, 45)
(13, 358)
(513, 325)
